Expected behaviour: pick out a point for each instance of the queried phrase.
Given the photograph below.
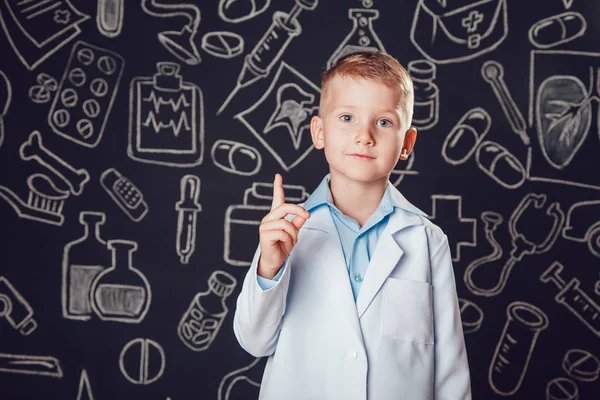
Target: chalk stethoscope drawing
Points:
(447, 207)
(223, 44)
(236, 158)
(515, 346)
(84, 392)
(259, 62)
(187, 209)
(36, 29)
(530, 205)
(109, 17)
(570, 295)
(42, 92)
(583, 224)
(5, 97)
(236, 11)
(15, 309)
(180, 44)
(557, 29)
(581, 365)
(250, 374)
(127, 196)
(30, 365)
(142, 361)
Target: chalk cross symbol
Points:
(447, 212)
(471, 22)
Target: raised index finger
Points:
(278, 195)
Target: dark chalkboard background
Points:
(85, 82)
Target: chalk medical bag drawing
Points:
(450, 31)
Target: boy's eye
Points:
(384, 122)
(346, 118)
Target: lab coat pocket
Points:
(407, 311)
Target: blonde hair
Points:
(376, 66)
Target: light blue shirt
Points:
(358, 243)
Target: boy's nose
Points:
(364, 136)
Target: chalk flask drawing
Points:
(83, 259)
(121, 292)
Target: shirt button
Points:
(358, 278)
(352, 355)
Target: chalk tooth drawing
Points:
(242, 220)
(30, 365)
(5, 97)
(471, 316)
(581, 225)
(36, 29)
(223, 44)
(42, 92)
(403, 169)
(448, 209)
(142, 361)
(166, 120)
(267, 52)
(83, 259)
(187, 209)
(557, 29)
(127, 196)
(236, 158)
(493, 73)
(500, 164)
(109, 17)
(15, 309)
(34, 149)
(575, 299)
(85, 390)
(581, 365)
(236, 11)
(86, 94)
(250, 374)
(516, 345)
(202, 321)
(448, 33)
(180, 44)
(290, 102)
(121, 292)
(362, 36)
(532, 210)
(426, 108)
(466, 136)
(562, 389)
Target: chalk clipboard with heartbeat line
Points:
(166, 124)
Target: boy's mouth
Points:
(361, 156)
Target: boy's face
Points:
(362, 128)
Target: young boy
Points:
(365, 306)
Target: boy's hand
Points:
(278, 236)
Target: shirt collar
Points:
(391, 196)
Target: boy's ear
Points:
(316, 132)
(409, 142)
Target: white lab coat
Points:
(401, 339)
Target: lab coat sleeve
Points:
(258, 314)
(452, 378)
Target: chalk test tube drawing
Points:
(471, 316)
(15, 309)
(466, 136)
(30, 365)
(446, 32)
(223, 44)
(42, 92)
(5, 97)
(525, 215)
(562, 389)
(250, 374)
(127, 196)
(557, 29)
(142, 361)
(121, 292)
(202, 321)
(573, 297)
(83, 259)
(516, 345)
(265, 54)
(280, 120)
(166, 119)
(86, 94)
(187, 209)
(446, 210)
(242, 220)
(236, 158)
(583, 225)
(493, 73)
(109, 17)
(36, 29)
(236, 11)
(34, 149)
(500, 165)
(426, 108)
(85, 389)
(180, 44)
(362, 36)
(581, 365)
